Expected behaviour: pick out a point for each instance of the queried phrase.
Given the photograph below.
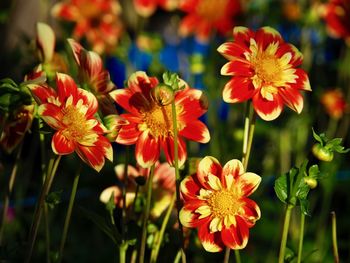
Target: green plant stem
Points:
(37, 215)
(126, 165)
(301, 237)
(47, 233)
(334, 238)
(159, 240)
(178, 179)
(146, 215)
(8, 192)
(122, 252)
(285, 233)
(69, 214)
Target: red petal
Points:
(168, 147)
(92, 155)
(128, 134)
(208, 165)
(193, 103)
(236, 236)
(267, 35)
(267, 110)
(42, 92)
(145, 8)
(238, 89)
(61, 145)
(129, 100)
(237, 68)
(302, 82)
(76, 48)
(249, 183)
(190, 187)
(188, 25)
(292, 98)
(233, 167)
(188, 217)
(66, 87)
(196, 131)
(89, 100)
(242, 35)
(251, 211)
(211, 242)
(51, 114)
(147, 150)
(233, 50)
(297, 57)
(65, 11)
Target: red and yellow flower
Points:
(97, 20)
(205, 16)
(70, 111)
(264, 69)
(216, 202)
(151, 124)
(337, 16)
(334, 103)
(163, 187)
(92, 73)
(146, 8)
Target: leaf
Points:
(53, 199)
(281, 188)
(102, 224)
(317, 137)
(340, 149)
(334, 142)
(289, 255)
(304, 207)
(314, 171)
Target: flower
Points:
(146, 8)
(93, 74)
(70, 111)
(163, 187)
(151, 125)
(204, 16)
(334, 103)
(337, 16)
(263, 68)
(97, 20)
(215, 202)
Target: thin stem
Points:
(237, 256)
(178, 256)
(37, 215)
(301, 237)
(178, 179)
(285, 233)
(47, 233)
(69, 214)
(122, 252)
(158, 242)
(8, 193)
(146, 215)
(126, 165)
(334, 237)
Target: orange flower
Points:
(97, 20)
(215, 202)
(337, 16)
(146, 8)
(150, 124)
(204, 16)
(334, 103)
(163, 187)
(71, 111)
(265, 69)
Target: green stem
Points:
(178, 179)
(69, 214)
(122, 252)
(301, 237)
(146, 215)
(126, 165)
(237, 256)
(47, 233)
(37, 215)
(158, 242)
(285, 233)
(8, 192)
(334, 237)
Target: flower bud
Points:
(311, 182)
(162, 94)
(322, 153)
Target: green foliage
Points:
(12, 96)
(53, 199)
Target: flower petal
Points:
(237, 68)
(236, 236)
(242, 35)
(208, 165)
(196, 131)
(189, 187)
(266, 36)
(292, 98)
(119, 171)
(211, 242)
(233, 167)
(51, 114)
(41, 93)
(249, 183)
(168, 147)
(251, 211)
(92, 155)
(193, 103)
(147, 150)
(129, 100)
(76, 49)
(45, 41)
(302, 82)
(66, 87)
(89, 100)
(128, 134)
(65, 11)
(232, 50)
(188, 217)
(61, 145)
(267, 110)
(238, 89)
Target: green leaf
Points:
(334, 142)
(289, 255)
(53, 199)
(103, 225)
(340, 149)
(110, 206)
(281, 188)
(304, 207)
(314, 171)
(317, 137)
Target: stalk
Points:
(146, 215)
(334, 238)
(38, 212)
(69, 214)
(285, 233)
(301, 237)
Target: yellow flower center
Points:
(267, 68)
(224, 203)
(76, 124)
(212, 10)
(159, 121)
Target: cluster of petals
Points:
(264, 69)
(70, 111)
(216, 202)
(150, 125)
(334, 103)
(96, 20)
(146, 8)
(337, 16)
(92, 73)
(163, 186)
(205, 16)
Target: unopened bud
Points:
(322, 153)
(311, 182)
(162, 94)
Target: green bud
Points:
(322, 153)
(311, 182)
(162, 94)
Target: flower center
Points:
(159, 121)
(224, 203)
(212, 10)
(267, 68)
(76, 125)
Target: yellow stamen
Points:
(159, 121)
